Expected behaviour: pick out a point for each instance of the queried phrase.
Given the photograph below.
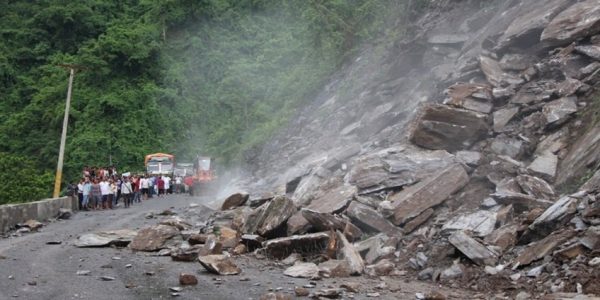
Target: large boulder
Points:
(219, 264)
(153, 238)
(120, 237)
(579, 20)
(276, 213)
(235, 200)
(309, 243)
(350, 255)
(470, 96)
(334, 200)
(495, 75)
(369, 220)
(525, 30)
(442, 127)
(584, 152)
(412, 201)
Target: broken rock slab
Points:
(333, 201)
(470, 96)
(535, 186)
(334, 268)
(558, 111)
(545, 166)
(369, 220)
(302, 270)
(502, 117)
(471, 248)
(235, 200)
(153, 238)
(524, 31)
(521, 202)
(555, 216)
(590, 50)
(504, 237)
(579, 20)
(539, 249)
(480, 223)
(120, 237)
(323, 221)
(495, 75)
(219, 264)
(274, 215)
(440, 127)
(414, 200)
(350, 255)
(281, 248)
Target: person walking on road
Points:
(105, 190)
(126, 191)
(87, 189)
(96, 195)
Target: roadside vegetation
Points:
(216, 77)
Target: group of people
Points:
(104, 188)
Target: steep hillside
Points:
(467, 154)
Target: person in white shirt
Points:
(105, 190)
(177, 184)
(144, 187)
(167, 181)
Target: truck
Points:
(159, 164)
(203, 180)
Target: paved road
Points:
(32, 269)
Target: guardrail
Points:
(13, 214)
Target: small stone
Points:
(301, 292)
(116, 258)
(11, 277)
(515, 277)
(373, 295)
(32, 283)
(128, 265)
(535, 272)
(54, 243)
(244, 279)
(187, 279)
(435, 296)
(149, 273)
(522, 296)
(175, 294)
(107, 278)
(83, 272)
(176, 289)
(594, 261)
(352, 287)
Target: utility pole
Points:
(63, 137)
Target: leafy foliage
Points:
(215, 77)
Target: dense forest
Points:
(216, 77)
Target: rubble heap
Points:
(487, 195)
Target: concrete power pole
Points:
(63, 137)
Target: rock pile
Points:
(486, 195)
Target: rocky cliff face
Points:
(454, 148)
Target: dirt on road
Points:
(47, 265)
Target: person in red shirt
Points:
(161, 186)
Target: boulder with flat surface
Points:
(473, 249)
(412, 201)
(219, 264)
(312, 243)
(440, 127)
(153, 238)
(525, 30)
(577, 21)
(235, 200)
(369, 220)
(279, 210)
(120, 237)
(302, 270)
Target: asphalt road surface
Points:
(32, 269)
